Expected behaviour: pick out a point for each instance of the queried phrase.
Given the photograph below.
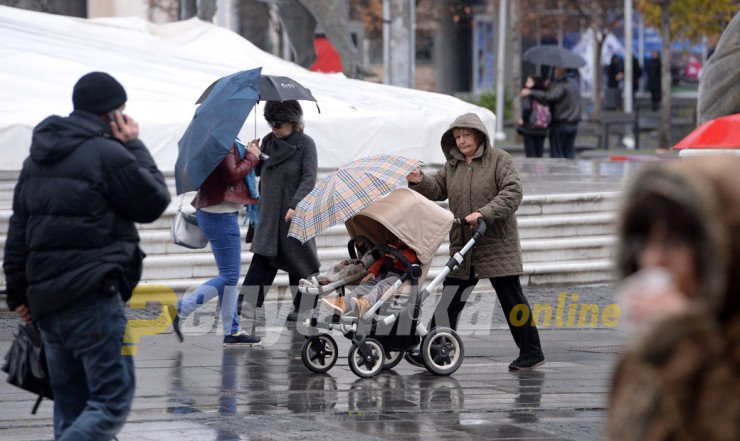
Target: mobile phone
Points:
(112, 116)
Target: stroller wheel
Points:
(443, 351)
(366, 367)
(392, 358)
(319, 353)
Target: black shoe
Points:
(172, 311)
(293, 315)
(526, 363)
(242, 338)
(414, 358)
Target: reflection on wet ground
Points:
(200, 390)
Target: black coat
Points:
(74, 207)
(285, 179)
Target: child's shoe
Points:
(359, 306)
(337, 304)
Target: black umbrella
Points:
(556, 56)
(273, 88)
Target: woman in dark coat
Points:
(286, 177)
(527, 126)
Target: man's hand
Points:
(124, 128)
(368, 277)
(289, 215)
(525, 92)
(24, 313)
(472, 218)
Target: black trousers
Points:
(534, 145)
(563, 140)
(258, 281)
(455, 293)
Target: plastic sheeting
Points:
(165, 68)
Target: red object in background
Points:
(328, 60)
(720, 133)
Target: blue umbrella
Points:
(215, 125)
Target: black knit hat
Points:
(98, 93)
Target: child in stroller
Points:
(380, 277)
(382, 331)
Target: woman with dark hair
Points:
(535, 119)
(286, 176)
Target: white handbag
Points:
(185, 230)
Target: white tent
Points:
(165, 68)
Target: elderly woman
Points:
(286, 177)
(481, 182)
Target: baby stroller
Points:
(392, 325)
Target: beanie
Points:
(98, 93)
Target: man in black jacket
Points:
(564, 97)
(72, 256)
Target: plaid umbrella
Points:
(347, 191)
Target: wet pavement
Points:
(200, 390)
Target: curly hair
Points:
(285, 112)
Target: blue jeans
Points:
(222, 231)
(93, 383)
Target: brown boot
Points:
(336, 304)
(359, 306)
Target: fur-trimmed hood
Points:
(710, 188)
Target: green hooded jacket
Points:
(489, 185)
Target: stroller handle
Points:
(480, 231)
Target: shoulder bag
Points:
(185, 230)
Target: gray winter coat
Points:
(564, 97)
(285, 178)
(489, 185)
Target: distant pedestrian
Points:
(679, 248)
(654, 79)
(72, 254)
(564, 97)
(614, 77)
(535, 119)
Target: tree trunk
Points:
(664, 139)
(597, 81)
(515, 83)
(206, 10)
(188, 9)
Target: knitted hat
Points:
(98, 93)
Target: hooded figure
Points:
(679, 379)
(481, 182)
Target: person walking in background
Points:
(654, 79)
(564, 97)
(535, 119)
(218, 202)
(285, 178)
(72, 257)
(679, 250)
(614, 77)
(480, 182)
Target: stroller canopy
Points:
(418, 222)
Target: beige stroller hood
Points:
(418, 222)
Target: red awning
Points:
(720, 133)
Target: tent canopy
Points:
(165, 68)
